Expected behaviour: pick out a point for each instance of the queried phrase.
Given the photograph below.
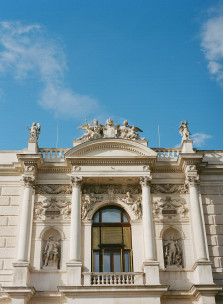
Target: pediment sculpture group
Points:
(109, 130)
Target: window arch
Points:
(111, 240)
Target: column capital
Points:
(192, 176)
(145, 181)
(76, 181)
(28, 181)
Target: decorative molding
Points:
(170, 208)
(52, 208)
(169, 188)
(53, 189)
(109, 161)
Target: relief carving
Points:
(168, 208)
(116, 189)
(88, 200)
(52, 208)
(53, 189)
(169, 188)
(135, 204)
(28, 181)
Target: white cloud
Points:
(27, 51)
(200, 139)
(212, 44)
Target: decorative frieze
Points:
(51, 209)
(115, 188)
(53, 189)
(170, 208)
(169, 188)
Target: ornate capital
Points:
(28, 181)
(192, 180)
(145, 180)
(76, 181)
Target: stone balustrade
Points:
(167, 153)
(54, 154)
(113, 278)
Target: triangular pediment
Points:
(111, 148)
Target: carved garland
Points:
(169, 208)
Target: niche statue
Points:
(51, 255)
(172, 253)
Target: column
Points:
(147, 219)
(196, 219)
(22, 267)
(151, 266)
(25, 221)
(75, 225)
(202, 266)
(74, 265)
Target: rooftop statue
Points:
(34, 131)
(93, 132)
(184, 131)
(110, 130)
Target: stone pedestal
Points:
(151, 270)
(32, 146)
(21, 273)
(74, 273)
(203, 272)
(187, 146)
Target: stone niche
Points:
(172, 249)
(51, 250)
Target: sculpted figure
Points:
(51, 253)
(184, 131)
(127, 198)
(87, 203)
(110, 130)
(93, 132)
(129, 132)
(172, 252)
(137, 207)
(34, 131)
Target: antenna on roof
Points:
(57, 138)
(159, 135)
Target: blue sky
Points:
(151, 62)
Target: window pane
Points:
(96, 262)
(111, 216)
(125, 218)
(127, 262)
(106, 262)
(96, 218)
(117, 262)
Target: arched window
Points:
(111, 241)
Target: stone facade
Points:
(171, 207)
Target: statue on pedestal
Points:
(184, 131)
(34, 131)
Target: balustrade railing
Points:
(53, 153)
(113, 278)
(167, 153)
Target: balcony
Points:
(113, 278)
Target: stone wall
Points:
(9, 214)
(212, 199)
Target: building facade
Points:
(111, 219)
